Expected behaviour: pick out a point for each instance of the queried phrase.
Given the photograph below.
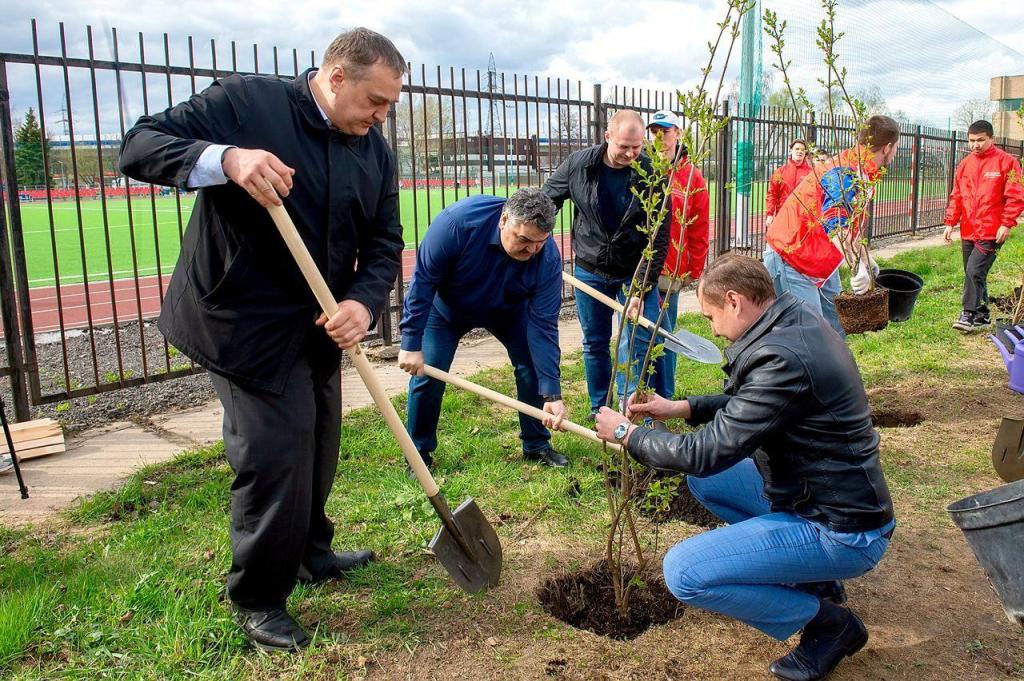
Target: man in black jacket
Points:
(788, 458)
(607, 243)
(240, 308)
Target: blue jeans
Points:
(440, 339)
(745, 570)
(596, 322)
(668, 323)
(822, 300)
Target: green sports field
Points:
(156, 227)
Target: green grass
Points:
(156, 228)
(152, 236)
(133, 585)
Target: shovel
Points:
(466, 544)
(682, 341)
(1008, 450)
(505, 400)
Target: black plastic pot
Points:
(904, 287)
(993, 523)
(1007, 334)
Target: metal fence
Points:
(92, 252)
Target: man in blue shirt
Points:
(487, 263)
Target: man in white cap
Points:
(688, 238)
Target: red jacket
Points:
(783, 182)
(694, 237)
(987, 194)
(825, 200)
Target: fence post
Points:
(951, 170)
(915, 185)
(8, 293)
(385, 319)
(723, 226)
(599, 116)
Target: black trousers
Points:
(284, 452)
(978, 259)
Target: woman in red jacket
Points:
(785, 179)
(986, 202)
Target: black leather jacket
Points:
(794, 401)
(611, 252)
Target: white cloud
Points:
(925, 60)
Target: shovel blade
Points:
(1008, 450)
(481, 567)
(691, 345)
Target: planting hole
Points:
(586, 600)
(894, 418)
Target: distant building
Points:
(1008, 94)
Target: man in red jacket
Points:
(985, 202)
(687, 246)
(785, 179)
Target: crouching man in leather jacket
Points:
(788, 457)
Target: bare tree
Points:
(970, 111)
(426, 130)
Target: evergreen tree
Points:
(28, 152)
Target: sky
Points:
(937, 54)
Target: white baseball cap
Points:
(664, 119)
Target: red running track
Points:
(127, 302)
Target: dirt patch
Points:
(586, 600)
(866, 312)
(683, 507)
(895, 418)
(1006, 303)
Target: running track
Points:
(75, 311)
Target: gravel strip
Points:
(135, 402)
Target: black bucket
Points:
(993, 523)
(904, 287)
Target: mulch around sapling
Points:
(865, 312)
(586, 600)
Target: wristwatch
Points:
(554, 397)
(620, 431)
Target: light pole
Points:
(63, 174)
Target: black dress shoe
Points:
(833, 634)
(272, 630)
(343, 561)
(548, 457)
(833, 592)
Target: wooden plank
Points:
(37, 423)
(30, 430)
(40, 451)
(35, 443)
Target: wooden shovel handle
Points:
(355, 353)
(507, 401)
(610, 302)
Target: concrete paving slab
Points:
(94, 462)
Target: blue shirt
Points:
(463, 272)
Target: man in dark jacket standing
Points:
(240, 309)
(607, 243)
(788, 458)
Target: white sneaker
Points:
(6, 463)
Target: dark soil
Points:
(684, 508)
(1006, 304)
(586, 600)
(895, 418)
(866, 312)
